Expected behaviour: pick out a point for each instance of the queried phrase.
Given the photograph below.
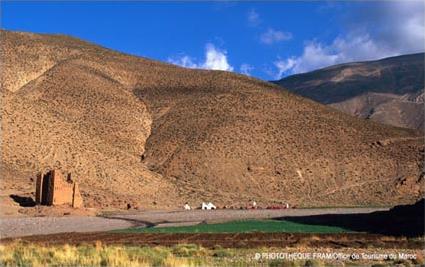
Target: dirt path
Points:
(25, 226)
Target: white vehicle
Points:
(208, 206)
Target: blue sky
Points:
(267, 40)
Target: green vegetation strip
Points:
(248, 226)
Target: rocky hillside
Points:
(133, 130)
(389, 91)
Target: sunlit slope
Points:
(138, 131)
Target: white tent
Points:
(208, 206)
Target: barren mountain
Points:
(133, 130)
(389, 91)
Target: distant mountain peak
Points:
(389, 90)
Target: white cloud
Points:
(343, 49)
(398, 24)
(399, 28)
(215, 59)
(253, 18)
(283, 66)
(246, 69)
(184, 61)
(274, 36)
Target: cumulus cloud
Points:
(246, 69)
(398, 28)
(253, 18)
(215, 59)
(272, 36)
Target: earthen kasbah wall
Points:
(53, 189)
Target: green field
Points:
(266, 226)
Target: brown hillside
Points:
(390, 90)
(132, 130)
(398, 110)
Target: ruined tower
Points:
(53, 189)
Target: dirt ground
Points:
(25, 226)
(240, 240)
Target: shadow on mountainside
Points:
(404, 220)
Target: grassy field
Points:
(266, 226)
(29, 254)
(23, 254)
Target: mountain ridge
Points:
(389, 90)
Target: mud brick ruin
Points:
(53, 189)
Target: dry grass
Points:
(27, 254)
(99, 255)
